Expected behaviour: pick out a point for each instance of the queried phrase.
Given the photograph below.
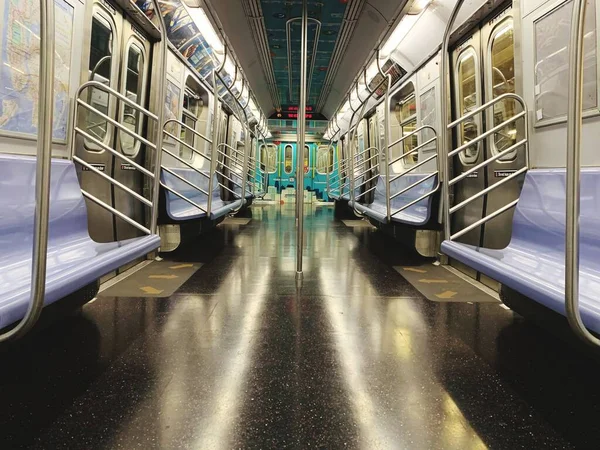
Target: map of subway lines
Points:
(19, 71)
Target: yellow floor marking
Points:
(446, 294)
(412, 269)
(431, 281)
(181, 266)
(163, 277)
(151, 290)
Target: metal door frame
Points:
(494, 231)
(99, 158)
(122, 172)
(471, 43)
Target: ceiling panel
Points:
(276, 14)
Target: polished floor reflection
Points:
(240, 357)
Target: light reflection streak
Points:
(394, 327)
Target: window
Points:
(467, 101)
(238, 157)
(134, 90)
(428, 117)
(100, 68)
(552, 61)
(268, 158)
(325, 159)
(373, 142)
(306, 159)
(502, 76)
(192, 105)
(408, 124)
(172, 101)
(289, 159)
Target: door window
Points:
(324, 159)
(373, 138)
(288, 158)
(268, 158)
(306, 159)
(501, 75)
(467, 102)
(408, 124)
(192, 105)
(428, 117)
(238, 157)
(100, 69)
(134, 89)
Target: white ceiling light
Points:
(207, 30)
(399, 33)
(418, 6)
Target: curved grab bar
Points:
(574, 123)
(42, 178)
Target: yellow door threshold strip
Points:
(440, 285)
(158, 279)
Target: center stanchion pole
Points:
(300, 145)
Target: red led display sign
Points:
(292, 112)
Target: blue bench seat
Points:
(417, 214)
(533, 264)
(74, 260)
(179, 209)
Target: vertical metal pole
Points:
(300, 145)
(444, 97)
(574, 123)
(247, 143)
(386, 158)
(42, 176)
(160, 113)
(215, 144)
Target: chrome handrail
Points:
(574, 125)
(78, 131)
(389, 179)
(42, 176)
(246, 124)
(448, 155)
(352, 134)
(187, 127)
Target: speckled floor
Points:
(239, 358)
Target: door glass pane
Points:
(306, 159)
(552, 61)
(408, 107)
(467, 95)
(188, 137)
(411, 142)
(100, 69)
(502, 77)
(427, 112)
(263, 157)
(324, 159)
(288, 159)
(238, 157)
(330, 153)
(132, 118)
(271, 161)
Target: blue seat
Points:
(417, 214)
(74, 260)
(533, 264)
(179, 209)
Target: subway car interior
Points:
(365, 224)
